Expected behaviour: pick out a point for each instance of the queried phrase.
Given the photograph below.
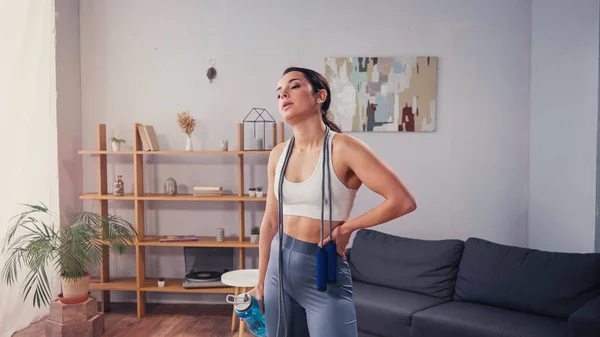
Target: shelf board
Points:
(96, 196)
(208, 152)
(105, 152)
(116, 283)
(174, 285)
(215, 152)
(203, 241)
(178, 197)
(190, 197)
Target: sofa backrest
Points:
(427, 267)
(515, 278)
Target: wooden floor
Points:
(160, 320)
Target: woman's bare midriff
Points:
(306, 229)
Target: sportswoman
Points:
(323, 170)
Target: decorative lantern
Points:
(258, 123)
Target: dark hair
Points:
(318, 82)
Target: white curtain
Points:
(28, 136)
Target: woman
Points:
(297, 307)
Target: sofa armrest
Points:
(585, 321)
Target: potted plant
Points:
(252, 191)
(161, 282)
(116, 143)
(72, 246)
(254, 234)
(259, 192)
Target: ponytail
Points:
(330, 124)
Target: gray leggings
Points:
(308, 312)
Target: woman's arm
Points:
(268, 227)
(381, 179)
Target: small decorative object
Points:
(118, 186)
(170, 186)
(116, 143)
(252, 191)
(161, 282)
(259, 192)
(224, 145)
(258, 119)
(259, 144)
(220, 234)
(187, 123)
(211, 73)
(254, 234)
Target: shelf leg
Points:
(141, 304)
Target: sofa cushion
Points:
(475, 320)
(528, 280)
(387, 312)
(427, 267)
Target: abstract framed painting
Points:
(379, 94)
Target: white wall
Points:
(144, 61)
(68, 83)
(564, 127)
(28, 133)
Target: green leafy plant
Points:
(161, 279)
(252, 189)
(255, 230)
(259, 189)
(70, 248)
(117, 140)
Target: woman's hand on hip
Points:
(341, 236)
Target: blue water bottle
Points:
(247, 308)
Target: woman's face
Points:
(295, 96)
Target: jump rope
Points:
(326, 256)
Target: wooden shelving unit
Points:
(141, 284)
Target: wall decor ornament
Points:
(211, 73)
(258, 120)
(379, 94)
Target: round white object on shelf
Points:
(245, 278)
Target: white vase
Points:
(259, 194)
(251, 193)
(161, 284)
(188, 145)
(254, 238)
(116, 146)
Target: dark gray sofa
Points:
(473, 288)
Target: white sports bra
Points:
(304, 198)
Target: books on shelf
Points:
(204, 191)
(177, 238)
(148, 137)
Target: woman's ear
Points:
(321, 96)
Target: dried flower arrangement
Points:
(186, 122)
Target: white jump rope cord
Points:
(280, 217)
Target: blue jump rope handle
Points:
(321, 269)
(330, 247)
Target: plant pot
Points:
(73, 300)
(73, 289)
(161, 284)
(259, 194)
(251, 193)
(254, 238)
(116, 146)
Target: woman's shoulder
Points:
(346, 142)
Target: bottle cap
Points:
(241, 302)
